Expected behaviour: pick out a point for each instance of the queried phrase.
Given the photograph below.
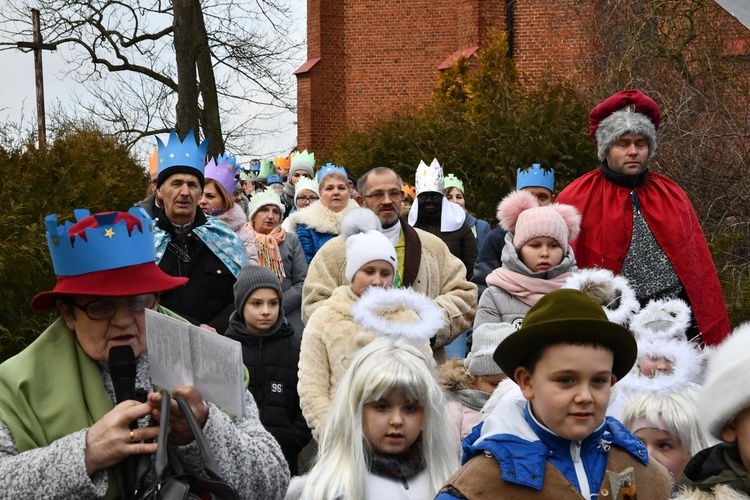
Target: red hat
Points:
(641, 104)
(110, 254)
(626, 112)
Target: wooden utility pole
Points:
(37, 46)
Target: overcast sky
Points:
(18, 94)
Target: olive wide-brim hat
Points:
(566, 316)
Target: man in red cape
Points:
(640, 224)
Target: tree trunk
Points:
(210, 118)
(185, 54)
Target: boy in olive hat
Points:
(557, 440)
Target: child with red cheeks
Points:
(536, 259)
(557, 440)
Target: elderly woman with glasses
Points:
(64, 433)
(280, 251)
(321, 221)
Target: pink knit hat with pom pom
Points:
(519, 213)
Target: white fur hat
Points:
(399, 314)
(612, 292)
(485, 339)
(667, 318)
(364, 241)
(726, 391)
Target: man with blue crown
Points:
(191, 244)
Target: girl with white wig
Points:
(387, 435)
(668, 425)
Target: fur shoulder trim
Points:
(234, 218)
(398, 313)
(511, 207)
(612, 292)
(718, 492)
(359, 220)
(322, 219)
(454, 377)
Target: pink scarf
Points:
(527, 288)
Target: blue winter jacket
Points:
(522, 446)
(311, 240)
(479, 227)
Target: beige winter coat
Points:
(434, 271)
(329, 342)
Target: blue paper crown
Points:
(231, 160)
(104, 244)
(328, 169)
(274, 179)
(536, 176)
(185, 153)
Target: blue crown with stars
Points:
(99, 242)
(536, 176)
(328, 169)
(231, 160)
(181, 156)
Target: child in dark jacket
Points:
(270, 351)
(556, 441)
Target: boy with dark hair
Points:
(557, 440)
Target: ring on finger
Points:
(132, 439)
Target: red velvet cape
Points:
(607, 212)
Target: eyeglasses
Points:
(306, 199)
(106, 308)
(379, 196)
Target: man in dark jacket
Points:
(190, 244)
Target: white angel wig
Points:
(674, 413)
(375, 371)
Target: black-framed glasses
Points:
(106, 308)
(379, 196)
(306, 199)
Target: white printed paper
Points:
(184, 354)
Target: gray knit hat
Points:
(485, 340)
(250, 278)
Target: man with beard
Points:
(432, 212)
(424, 261)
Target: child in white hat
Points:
(722, 471)
(348, 319)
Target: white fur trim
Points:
(685, 356)
(373, 309)
(667, 318)
(595, 278)
(321, 218)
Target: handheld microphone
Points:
(122, 371)
(122, 368)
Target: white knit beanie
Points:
(726, 391)
(485, 339)
(364, 241)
